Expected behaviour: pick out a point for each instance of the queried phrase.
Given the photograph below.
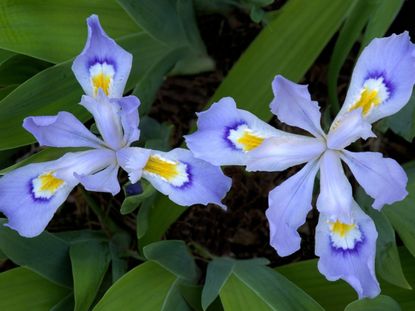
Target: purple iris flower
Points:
(381, 85)
(30, 195)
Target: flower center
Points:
(373, 93)
(173, 172)
(101, 77)
(46, 185)
(244, 138)
(344, 236)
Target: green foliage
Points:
(337, 295)
(90, 260)
(130, 203)
(288, 45)
(44, 254)
(22, 289)
(379, 303)
(402, 214)
(249, 285)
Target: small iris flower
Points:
(30, 195)
(381, 85)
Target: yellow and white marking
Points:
(244, 138)
(101, 77)
(46, 185)
(173, 172)
(343, 235)
(373, 93)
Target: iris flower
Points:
(30, 195)
(381, 85)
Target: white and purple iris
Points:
(29, 196)
(381, 85)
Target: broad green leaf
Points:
(402, 214)
(287, 46)
(348, 35)
(143, 215)
(175, 257)
(85, 235)
(44, 254)
(4, 91)
(130, 203)
(66, 304)
(5, 55)
(56, 89)
(119, 245)
(160, 217)
(22, 289)
(147, 287)
(55, 30)
(388, 264)
(337, 295)
(381, 18)
(47, 154)
(19, 68)
(253, 286)
(402, 123)
(90, 262)
(379, 303)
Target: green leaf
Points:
(55, 30)
(381, 18)
(66, 304)
(119, 245)
(90, 262)
(388, 264)
(287, 46)
(130, 203)
(22, 289)
(379, 303)
(19, 68)
(160, 217)
(5, 55)
(349, 34)
(147, 287)
(175, 257)
(402, 123)
(249, 285)
(337, 295)
(44, 254)
(402, 214)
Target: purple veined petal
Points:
(382, 178)
(107, 116)
(129, 117)
(383, 78)
(336, 197)
(348, 128)
(105, 180)
(293, 105)
(102, 64)
(281, 152)
(227, 134)
(62, 130)
(347, 251)
(30, 195)
(133, 160)
(185, 179)
(289, 204)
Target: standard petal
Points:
(289, 204)
(383, 78)
(226, 134)
(347, 251)
(281, 152)
(107, 119)
(336, 195)
(133, 160)
(102, 64)
(129, 117)
(293, 105)
(62, 130)
(382, 178)
(348, 128)
(185, 179)
(102, 181)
